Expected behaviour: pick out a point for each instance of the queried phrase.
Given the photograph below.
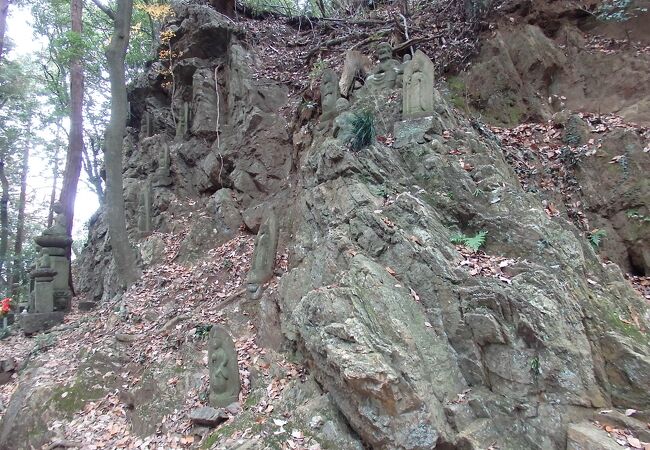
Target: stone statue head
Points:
(384, 51)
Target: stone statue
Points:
(223, 367)
(266, 245)
(144, 211)
(204, 103)
(418, 95)
(342, 129)
(148, 124)
(183, 121)
(162, 177)
(59, 225)
(329, 94)
(384, 76)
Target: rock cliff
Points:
(404, 338)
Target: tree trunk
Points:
(4, 218)
(16, 267)
(55, 181)
(75, 142)
(4, 11)
(123, 252)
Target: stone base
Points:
(32, 323)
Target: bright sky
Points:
(40, 179)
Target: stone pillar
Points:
(145, 226)
(42, 314)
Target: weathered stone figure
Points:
(417, 97)
(383, 76)
(329, 94)
(162, 177)
(204, 103)
(266, 245)
(223, 367)
(183, 120)
(145, 226)
(148, 124)
(342, 129)
(59, 224)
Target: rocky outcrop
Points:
(409, 343)
(545, 56)
(417, 352)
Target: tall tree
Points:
(75, 143)
(123, 252)
(4, 11)
(14, 274)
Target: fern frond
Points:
(477, 241)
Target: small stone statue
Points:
(183, 121)
(418, 95)
(384, 76)
(59, 225)
(266, 245)
(162, 177)
(224, 370)
(329, 94)
(144, 211)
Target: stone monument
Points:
(329, 94)
(418, 92)
(183, 121)
(266, 245)
(145, 226)
(51, 294)
(204, 103)
(224, 370)
(162, 176)
(384, 75)
(148, 124)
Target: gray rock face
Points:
(417, 352)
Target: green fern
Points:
(458, 239)
(596, 237)
(475, 242)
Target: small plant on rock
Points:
(596, 237)
(363, 130)
(475, 242)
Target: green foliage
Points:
(363, 130)
(535, 366)
(474, 242)
(202, 330)
(596, 237)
